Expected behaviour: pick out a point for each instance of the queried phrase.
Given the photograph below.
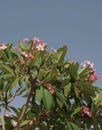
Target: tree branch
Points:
(24, 108)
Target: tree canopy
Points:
(58, 93)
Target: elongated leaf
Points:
(73, 69)
(98, 98)
(49, 76)
(14, 83)
(9, 45)
(61, 98)
(25, 122)
(8, 53)
(22, 46)
(61, 52)
(41, 74)
(76, 110)
(77, 91)
(7, 69)
(59, 102)
(73, 126)
(67, 89)
(39, 94)
(48, 100)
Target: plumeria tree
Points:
(59, 94)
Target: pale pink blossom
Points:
(7, 114)
(3, 46)
(40, 47)
(26, 40)
(53, 50)
(25, 54)
(35, 40)
(14, 123)
(88, 64)
(43, 44)
(38, 41)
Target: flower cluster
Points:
(91, 77)
(40, 45)
(87, 64)
(27, 55)
(37, 43)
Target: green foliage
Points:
(58, 93)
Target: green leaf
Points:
(61, 52)
(41, 74)
(61, 98)
(75, 111)
(67, 89)
(39, 94)
(22, 46)
(8, 53)
(73, 126)
(49, 76)
(25, 122)
(77, 91)
(48, 99)
(87, 89)
(5, 76)
(98, 98)
(30, 44)
(73, 68)
(9, 45)
(7, 69)
(15, 53)
(83, 71)
(14, 83)
(59, 102)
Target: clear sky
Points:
(75, 23)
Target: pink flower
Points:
(48, 86)
(26, 40)
(85, 110)
(40, 47)
(73, 62)
(7, 114)
(93, 71)
(88, 64)
(38, 41)
(14, 123)
(15, 49)
(25, 54)
(3, 46)
(92, 78)
(35, 40)
(31, 56)
(53, 50)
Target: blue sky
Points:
(75, 23)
